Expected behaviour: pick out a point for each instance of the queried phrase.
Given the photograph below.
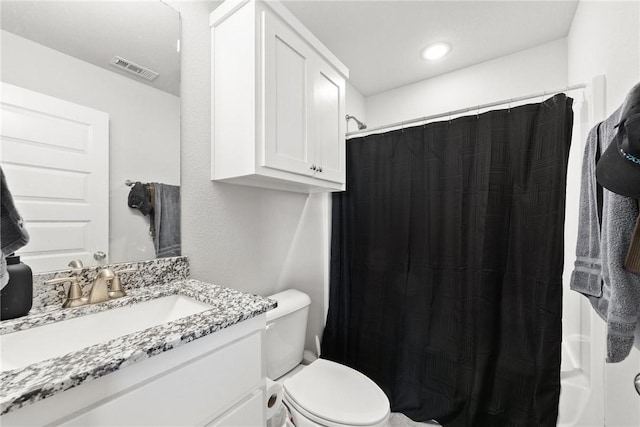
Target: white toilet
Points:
(324, 393)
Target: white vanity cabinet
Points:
(217, 380)
(278, 96)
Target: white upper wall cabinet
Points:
(278, 96)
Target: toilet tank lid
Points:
(288, 301)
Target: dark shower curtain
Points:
(446, 266)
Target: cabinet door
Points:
(329, 123)
(185, 395)
(251, 412)
(287, 94)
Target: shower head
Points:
(361, 126)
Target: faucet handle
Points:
(76, 266)
(58, 280)
(116, 285)
(76, 263)
(74, 296)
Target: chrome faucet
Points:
(100, 289)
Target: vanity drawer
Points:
(249, 412)
(188, 394)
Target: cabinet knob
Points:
(320, 169)
(313, 167)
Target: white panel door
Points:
(287, 97)
(55, 155)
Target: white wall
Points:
(144, 126)
(356, 106)
(255, 240)
(530, 71)
(234, 235)
(605, 39)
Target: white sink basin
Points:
(23, 348)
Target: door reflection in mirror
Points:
(63, 51)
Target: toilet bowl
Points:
(325, 393)
(329, 394)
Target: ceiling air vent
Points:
(134, 68)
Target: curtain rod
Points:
(404, 123)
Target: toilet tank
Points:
(286, 330)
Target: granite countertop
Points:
(40, 380)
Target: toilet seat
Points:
(331, 394)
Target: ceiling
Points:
(381, 41)
(143, 32)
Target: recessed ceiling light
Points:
(436, 51)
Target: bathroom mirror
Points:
(63, 53)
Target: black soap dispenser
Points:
(16, 297)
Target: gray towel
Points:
(13, 234)
(586, 277)
(605, 228)
(167, 220)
